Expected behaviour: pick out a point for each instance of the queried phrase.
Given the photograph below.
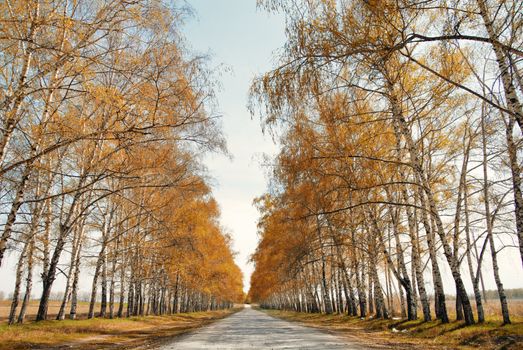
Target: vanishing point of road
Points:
(252, 329)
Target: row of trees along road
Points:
(103, 126)
(400, 129)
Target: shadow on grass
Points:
(103, 333)
(488, 335)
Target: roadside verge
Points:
(400, 334)
(124, 333)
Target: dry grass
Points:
(103, 333)
(491, 308)
(54, 306)
(401, 334)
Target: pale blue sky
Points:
(237, 34)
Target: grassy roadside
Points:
(400, 334)
(104, 333)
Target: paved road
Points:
(252, 329)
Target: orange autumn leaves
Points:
(105, 117)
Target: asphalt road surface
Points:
(252, 329)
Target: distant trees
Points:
(398, 146)
(103, 123)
